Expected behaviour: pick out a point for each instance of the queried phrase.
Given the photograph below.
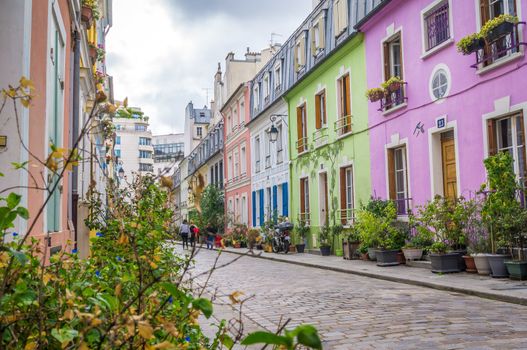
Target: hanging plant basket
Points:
(498, 32)
(87, 15)
(93, 53)
(474, 46)
(392, 85)
(375, 94)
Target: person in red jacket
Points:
(194, 235)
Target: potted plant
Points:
(301, 232)
(350, 243)
(253, 236)
(87, 12)
(417, 242)
(471, 43)
(325, 235)
(477, 238)
(517, 267)
(392, 85)
(92, 52)
(363, 251)
(445, 219)
(501, 210)
(375, 94)
(498, 27)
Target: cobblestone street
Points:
(355, 312)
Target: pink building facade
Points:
(430, 136)
(237, 157)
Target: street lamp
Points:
(273, 130)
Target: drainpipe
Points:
(75, 127)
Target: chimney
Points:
(230, 56)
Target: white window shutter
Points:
(322, 32)
(303, 49)
(336, 15)
(312, 34)
(344, 15)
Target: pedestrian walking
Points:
(194, 234)
(211, 234)
(184, 231)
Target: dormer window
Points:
(278, 75)
(318, 34)
(300, 52)
(340, 16)
(256, 97)
(266, 86)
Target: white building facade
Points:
(168, 152)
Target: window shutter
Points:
(296, 56)
(322, 31)
(262, 207)
(343, 198)
(313, 45)
(285, 199)
(343, 11)
(303, 49)
(318, 116)
(299, 126)
(346, 83)
(275, 202)
(254, 208)
(522, 155)
(391, 174)
(386, 53)
(484, 11)
(336, 16)
(302, 197)
(491, 134)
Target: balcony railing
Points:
(305, 217)
(403, 205)
(302, 145)
(394, 98)
(347, 216)
(499, 48)
(320, 137)
(437, 26)
(343, 125)
(268, 161)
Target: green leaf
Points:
(64, 335)
(227, 341)
(23, 212)
(21, 257)
(267, 338)
(1, 174)
(27, 297)
(204, 305)
(13, 200)
(308, 336)
(18, 166)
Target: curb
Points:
(471, 292)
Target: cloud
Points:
(163, 53)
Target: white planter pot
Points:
(412, 253)
(482, 263)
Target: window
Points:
(140, 127)
(221, 173)
(242, 111)
(257, 154)
(301, 126)
(212, 176)
(398, 179)
(393, 57)
(320, 109)
(340, 16)
(436, 25)
(229, 168)
(279, 146)
(145, 154)
(300, 52)
(237, 214)
(267, 146)
(256, 97)
(508, 135)
(244, 210)
(266, 86)
(229, 124)
(118, 140)
(235, 117)
(236, 163)
(343, 124)
(145, 141)
(346, 195)
(318, 36)
(304, 200)
(243, 160)
(168, 152)
(146, 167)
(199, 131)
(440, 84)
(117, 152)
(278, 75)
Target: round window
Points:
(440, 83)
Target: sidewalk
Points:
(472, 284)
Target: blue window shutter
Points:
(285, 200)
(262, 215)
(275, 203)
(254, 208)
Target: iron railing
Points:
(302, 145)
(320, 137)
(305, 217)
(343, 125)
(437, 26)
(394, 99)
(347, 216)
(499, 48)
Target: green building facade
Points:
(329, 142)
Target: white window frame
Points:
(256, 97)
(257, 155)
(437, 68)
(424, 30)
(278, 74)
(266, 85)
(243, 159)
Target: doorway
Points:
(448, 164)
(323, 199)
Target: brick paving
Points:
(357, 312)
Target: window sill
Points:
(394, 109)
(500, 63)
(343, 136)
(437, 48)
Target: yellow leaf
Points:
(118, 289)
(164, 345)
(68, 315)
(30, 346)
(46, 278)
(51, 164)
(26, 83)
(145, 330)
(153, 265)
(93, 233)
(123, 239)
(84, 346)
(95, 322)
(25, 102)
(11, 92)
(234, 297)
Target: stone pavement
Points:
(357, 312)
(472, 284)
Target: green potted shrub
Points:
(498, 27)
(325, 240)
(375, 94)
(445, 220)
(301, 232)
(517, 267)
(392, 85)
(471, 43)
(501, 209)
(350, 243)
(363, 251)
(417, 241)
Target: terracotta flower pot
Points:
(471, 265)
(93, 53)
(364, 256)
(87, 15)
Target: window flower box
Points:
(87, 15)
(498, 27)
(470, 44)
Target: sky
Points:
(164, 53)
